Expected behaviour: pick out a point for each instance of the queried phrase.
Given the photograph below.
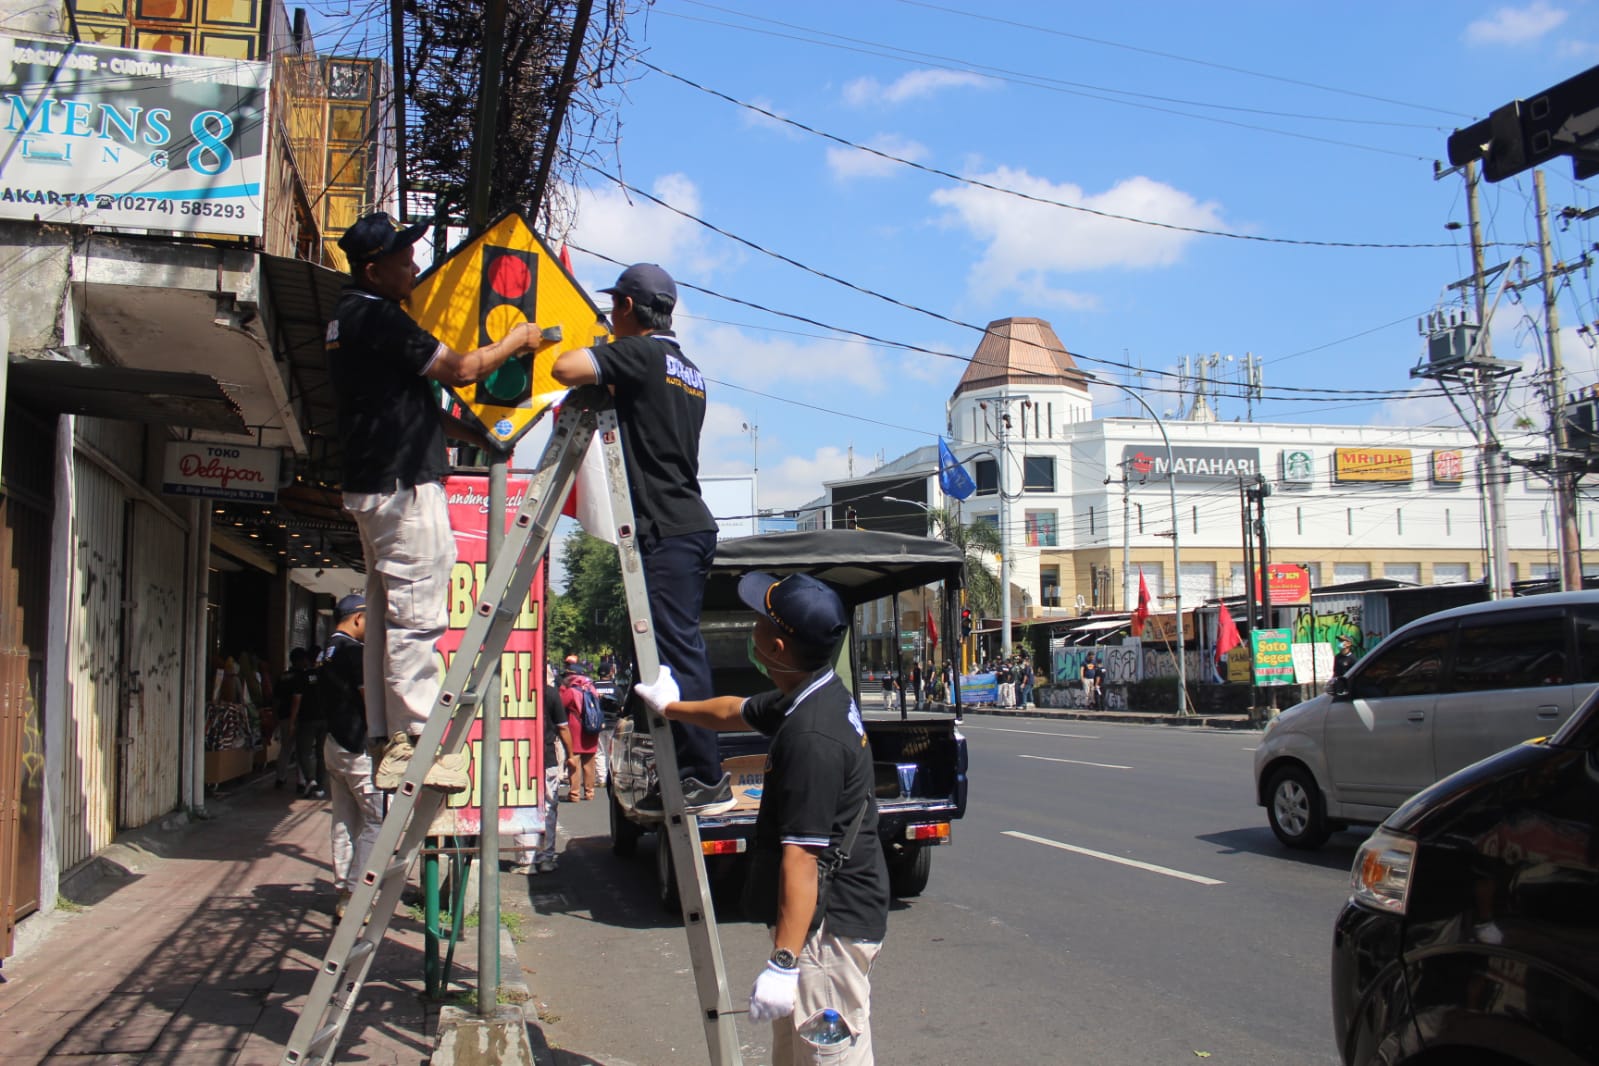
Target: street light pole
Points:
(1176, 538)
(755, 469)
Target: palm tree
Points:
(980, 542)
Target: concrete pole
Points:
(1498, 575)
(1560, 478)
(1127, 541)
(488, 777)
(1004, 540)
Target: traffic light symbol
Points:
(966, 623)
(505, 300)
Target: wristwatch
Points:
(784, 958)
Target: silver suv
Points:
(1437, 695)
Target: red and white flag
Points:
(590, 499)
(1141, 612)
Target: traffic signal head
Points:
(506, 299)
(966, 622)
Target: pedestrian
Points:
(394, 465)
(1024, 688)
(888, 689)
(1346, 655)
(1091, 678)
(557, 741)
(309, 724)
(357, 803)
(660, 406)
(1007, 684)
(817, 875)
(581, 744)
(287, 696)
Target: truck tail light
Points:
(928, 832)
(723, 847)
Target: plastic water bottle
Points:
(826, 1028)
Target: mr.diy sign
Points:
(221, 472)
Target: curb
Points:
(1199, 721)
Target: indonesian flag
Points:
(590, 499)
(1141, 612)
(932, 631)
(1227, 637)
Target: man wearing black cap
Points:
(660, 405)
(827, 924)
(380, 362)
(357, 804)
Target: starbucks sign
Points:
(1298, 466)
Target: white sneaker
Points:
(389, 770)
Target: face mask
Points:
(754, 655)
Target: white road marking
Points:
(1030, 732)
(1077, 762)
(1249, 749)
(1118, 859)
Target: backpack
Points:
(342, 706)
(593, 717)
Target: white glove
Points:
(660, 692)
(773, 995)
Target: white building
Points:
(1084, 504)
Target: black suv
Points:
(1472, 935)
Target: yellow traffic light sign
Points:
(501, 278)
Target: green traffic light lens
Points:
(509, 382)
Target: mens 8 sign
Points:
(507, 298)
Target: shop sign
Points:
(1371, 464)
(1298, 467)
(521, 781)
(1273, 653)
(1191, 464)
(1288, 584)
(1448, 467)
(1162, 628)
(118, 138)
(1313, 663)
(1237, 664)
(220, 472)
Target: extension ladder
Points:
(333, 996)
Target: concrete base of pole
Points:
(469, 1039)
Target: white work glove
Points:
(660, 692)
(773, 995)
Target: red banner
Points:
(521, 671)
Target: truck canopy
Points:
(861, 565)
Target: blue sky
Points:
(1257, 119)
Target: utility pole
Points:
(1127, 538)
(1494, 482)
(1257, 495)
(1561, 480)
(1249, 553)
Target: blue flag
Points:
(952, 477)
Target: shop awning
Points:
(163, 397)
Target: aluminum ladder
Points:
(338, 984)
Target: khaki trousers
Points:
(835, 972)
(357, 812)
(409, 551)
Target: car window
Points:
(1514, 652)
(1411, 667)
(1587, 644)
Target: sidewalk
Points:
(198, 944)
(1206, 721)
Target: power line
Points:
(1019, 194)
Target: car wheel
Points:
(624, 834)
(908, 871)
(665, 875)
(1294, 807)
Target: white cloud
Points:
(912, 86)
(732, 354)
(634, 230)
(1515, 25)
(1030, 242)
(797, 478)
(847, 163)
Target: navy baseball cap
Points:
(354, 603)
(647, 285)
(374, 236)
(798, 605)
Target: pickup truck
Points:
(920, 758)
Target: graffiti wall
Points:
(1069, 697)
(1334, 620)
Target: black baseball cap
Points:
(798, 605)
(354, 603)
(374, 236)
(647, 285)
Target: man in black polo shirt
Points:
(380, 362)
(818, 788)
(660, 406)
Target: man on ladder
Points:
(660, 405)
(380, 361)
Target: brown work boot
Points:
(448, 774)
(389, 770)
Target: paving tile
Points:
(188, 1034)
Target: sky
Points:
(1291, 124)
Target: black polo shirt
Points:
(378, 359)
(818, 773)
(660, 403)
